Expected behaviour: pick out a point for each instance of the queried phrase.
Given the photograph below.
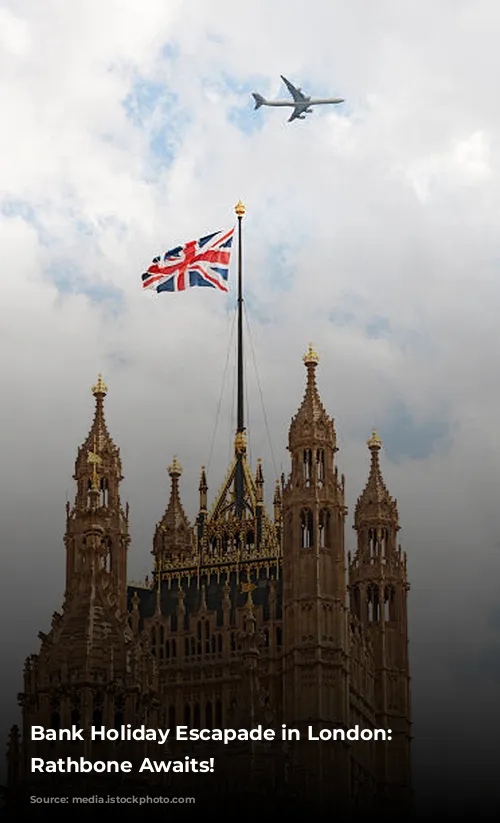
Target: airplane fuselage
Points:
(293, 104)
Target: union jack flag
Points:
(203, 262)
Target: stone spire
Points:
(98, 460)
(375, 506)
(311, 425)
(174, 536)
(98, 473)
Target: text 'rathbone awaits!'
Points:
(184, 733)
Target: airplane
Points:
(301, 103)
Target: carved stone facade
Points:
(247, 620)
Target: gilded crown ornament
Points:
(175, 470)
(311, 357)
(240, 442)
(100, 387)
(94, 460)
(239, 209)
(374, 442)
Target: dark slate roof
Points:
(214, 593)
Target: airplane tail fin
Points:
(259, 100)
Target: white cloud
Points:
(388, 210)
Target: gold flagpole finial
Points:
(239, 209)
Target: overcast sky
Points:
(372, 229)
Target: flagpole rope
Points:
(247, 407)
(261, 394)
(217, 416)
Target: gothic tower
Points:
(98, 476)
(378, 593)
(90, 669)
(315, 662)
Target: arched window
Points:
(279, 637)
(209, 720)
(306, 527)
(356, 602)
(320, 467)
(119, 711)
(218, 714)
(55, 713)
(97, 709)
(373, 604)
(104, 491)
(324, 529)
(76, 712)
(187, 715)
(196, 716)
(307, 467)
(171, 717)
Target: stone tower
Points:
(98, 474)
(315, 659)
(378, 593)
(90, 669)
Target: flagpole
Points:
(240, 444)
(240, 211)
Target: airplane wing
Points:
(296, 93)
(296, 113)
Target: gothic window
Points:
(197, 716)
(193, 646)
(198, 644)
(171, 717)
(324, 529)
(218, 714)
(173, 622)
(104, 491)
(306, 527)
(119, 711)
(356, 602)
(209, 720)
(219, 643)
(76, 710)
(373, 604)
(212, 644)
(307, 467)
(233, 642)
(153, 640)
(224, 544)
(186, 647)
(279, 637)
(320, 464)
(106, 554)
(97, 709)
(174, 649)
(89, 486)
(250, 541)
(55, 713)
(187, 715)
(266, 638)
(167, 650)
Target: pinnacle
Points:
(311, 420)
(375, 503)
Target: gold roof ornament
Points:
(240, 442)
(248, 588)
(374, 442)
(239, 209)
(95, 460)
(311, 357)
(175, 469)
(100, 388)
